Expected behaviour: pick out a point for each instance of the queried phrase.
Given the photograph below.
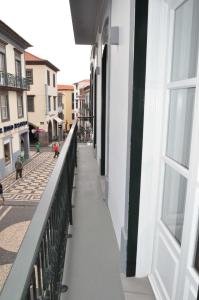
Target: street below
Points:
(21, 199)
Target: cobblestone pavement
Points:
(21, 199)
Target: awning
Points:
(58, 120)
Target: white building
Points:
(145, 86)
(78, 86)
(13, 118)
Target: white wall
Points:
(153, 116)
(119, 87)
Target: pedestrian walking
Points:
(1, 193)
(37, 146)
(56, 150)
(18, 168)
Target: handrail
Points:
(36, 272)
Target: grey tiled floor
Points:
(92, 260)
(137, 288)
(92, 268)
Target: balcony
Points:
(12, 82)
(67, 255)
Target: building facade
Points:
(14, 138)
(144, 86)
(78, 87)
(67, 94)
(44, 110)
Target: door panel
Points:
(177, 221)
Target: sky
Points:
(47, 25)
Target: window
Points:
(7, 153)
(2, 64)
(54, 82)
(20, 105)
(4, 107)
(180, 125)
(180, 116)
(185, 44)
(48, 77)
(72, 100)
(49, 103)
(54, 103)
(73, 116)
(174, 195)
(60, 100)
(29, 76)
(76, 103)
(18, 68)
(30, 101)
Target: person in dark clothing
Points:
(18, 168)
(1, 193)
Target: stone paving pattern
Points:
(21, 198)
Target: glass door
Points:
(176, 227)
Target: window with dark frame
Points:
(20, 109)
(29, 76)
(60, 100)
(48, 77)
(73, 116)
(55, 102)
(31, 104)
(72, 100)
(2, 63)
(49, 103)
(54, 83)
(4, 103)
(18, 68)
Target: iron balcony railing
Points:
(12, 81)
(38, 268)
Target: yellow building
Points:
(44, 109)
(66, 93)
(14, 138)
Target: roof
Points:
(31, 59)
(63, 87)
(15, 37)
(84, 80)
(85, 19)
(83, 83)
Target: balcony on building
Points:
(13, 82)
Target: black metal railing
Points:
(12, 81)
(85, 130)
(38, 268)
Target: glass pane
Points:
(174, 195)
(185, 43)
(180, 125)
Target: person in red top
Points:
(56, 150)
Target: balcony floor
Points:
(92, 264)
(92, 258)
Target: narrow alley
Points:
(21, 199)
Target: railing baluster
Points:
(34, 287)
(39, 277)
